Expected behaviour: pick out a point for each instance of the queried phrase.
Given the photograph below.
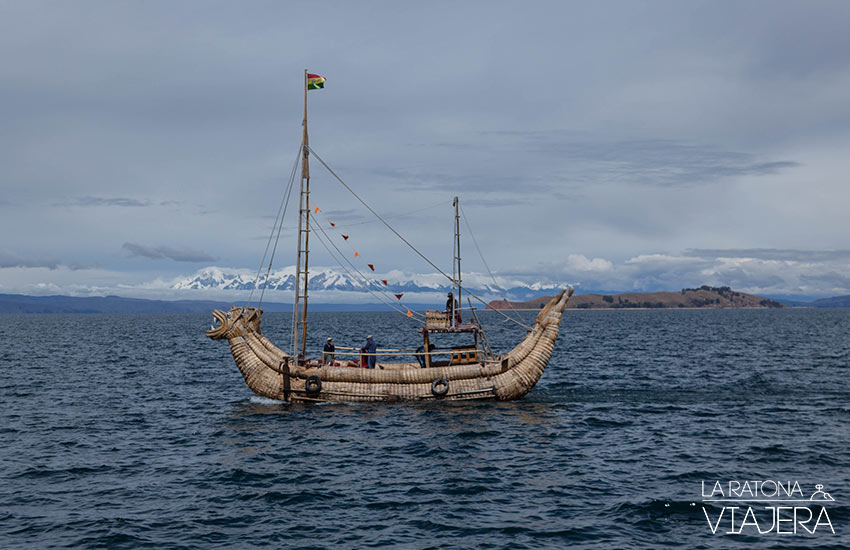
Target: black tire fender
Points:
(440, 387)
(313, 385)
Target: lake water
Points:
(136, 431)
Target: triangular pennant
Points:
(409, 313)
(345, 237)
(332, 223)
(385, 282)
(356, 254)
(399, 295)
(316, 211)
(371, 267)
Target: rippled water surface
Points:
(135, 431)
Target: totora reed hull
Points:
(270, 372)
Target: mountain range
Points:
(335, 279)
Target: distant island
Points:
(703, 297)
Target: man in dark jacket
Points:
(370, 348)
(328, 352)
(452, 307)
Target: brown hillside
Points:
(703, 297)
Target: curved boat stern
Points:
(527, 361)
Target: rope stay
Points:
(278, 224)
(405, 241)
(487, 266)
(399, 215)
(370, 282)
(279, 228)
(325, 239)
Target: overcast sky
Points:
(616, 145)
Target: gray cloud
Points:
(740, 278)
(483, 182)
(656, 162)
(166, 252)
(500, 203)
(779, 254)
(830, 279)
(522, 162)
(9, 259)
(106, 201)
(79, 266)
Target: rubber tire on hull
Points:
(312, 385)
(440, 387)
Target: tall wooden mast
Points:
(299, 316)
(457, 262)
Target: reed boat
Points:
(271, 372)
(458, 372)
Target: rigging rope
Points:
(493, 277)
(372, 282)
(324, 238)
(397, 234)
(284, 205)
(277, 218)
(400, 215)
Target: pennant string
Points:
(356, 253)
(362, 280)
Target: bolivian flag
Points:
(314, 81)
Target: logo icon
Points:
(820, 495)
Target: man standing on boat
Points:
(452, 307)
(328, 352)
(370, 349)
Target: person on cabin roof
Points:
(452, 307)
(370, 348)
(328, 352)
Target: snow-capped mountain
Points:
(334, 279)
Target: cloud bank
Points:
(167, 252)
(778, 273)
